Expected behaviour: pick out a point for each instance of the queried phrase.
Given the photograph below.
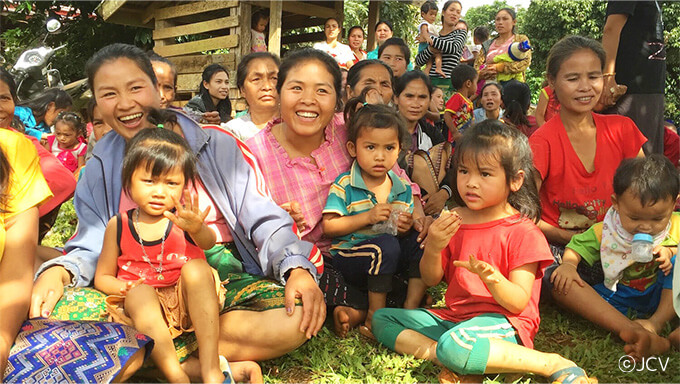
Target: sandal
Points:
(570, 375)
(224, 367)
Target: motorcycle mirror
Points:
(52, 25)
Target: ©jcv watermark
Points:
(649, 364)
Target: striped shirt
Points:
(451, 45)
(350, 196)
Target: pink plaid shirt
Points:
(303, 181)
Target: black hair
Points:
(651, 179)
(386, 22)
(512, 14)
(117, 51)
(356, 27)
(428, 6)
(39, 103)
(516, 99)
(223, 106)
(408, 77)
(489, 83)
(448, 4)
(398, 42)
(244, 65)
(257, 16)
(481, 33)
(493, 139)
(464, 22)
(159, 150)
(7, 78)
(297, 58)
(355, 72)
(360, 115)
(153, 56)
(74, 121)
(563, 49)
(89, 109)
(462, 73)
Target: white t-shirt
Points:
(341, 53)
(432, 29)
(242, 127)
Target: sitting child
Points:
(491, 100)
(68, 141)
(645, 193)
(369, 196)
(492, 256)
(547, 106)
(152, 264)
(458, 114)
(427, 29)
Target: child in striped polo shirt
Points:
(369, 194)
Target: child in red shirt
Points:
(492, 256)
(458, 114)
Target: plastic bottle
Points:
(642, 248)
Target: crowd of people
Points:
(350, 184)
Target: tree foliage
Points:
(403, 16)
(484, 15)
(82, 32)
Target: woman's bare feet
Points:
(346, 318)
(674, 338)
(640, 342)
(650, 325)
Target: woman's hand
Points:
(301, 285)
(488, 72)
(47, 290)
(295, 211)
(434, 202)
(188, 216)
(564, 276)
(211, 118)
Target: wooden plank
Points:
(129, 17)
(373, 17)
(196, 63)
(196, 28)
(160, 25)
(244, 15)
(108, 8)
(229, 41)
(193, 8)
(300, 21)
(300, 8)
(188, 82)
(150, 11)
(303, 38)
(275, 11)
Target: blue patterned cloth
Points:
(52, 351)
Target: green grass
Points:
(356, 359)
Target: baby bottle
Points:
(642, 247)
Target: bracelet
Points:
(609, 74)
(447, 189)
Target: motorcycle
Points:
(33, 70)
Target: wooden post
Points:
(373, 17)
(244, 16)
(275, 10)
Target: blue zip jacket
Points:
(25, 114)
(265, 235)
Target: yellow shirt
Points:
(27, 186)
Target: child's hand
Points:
(295, 211)
(664, 256)
(442, 230)
(484, 270)
(380, 212)
(404, 222)
(428, 39)
(129, 285)
(188, 217)
(564, 276)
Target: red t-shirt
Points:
(553, 106)
(571, 197)
(462, 110)
(671, 146)
(506, 244)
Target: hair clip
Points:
(160, 126)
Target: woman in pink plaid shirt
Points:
(302, 152)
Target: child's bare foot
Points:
(366, 332)
(246, 372)
(642, 343)
(674, 338)
(650, 325)
(448, 377)
(346, 318)
(440, 72)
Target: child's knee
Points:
(196, 270)
(457, 354)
